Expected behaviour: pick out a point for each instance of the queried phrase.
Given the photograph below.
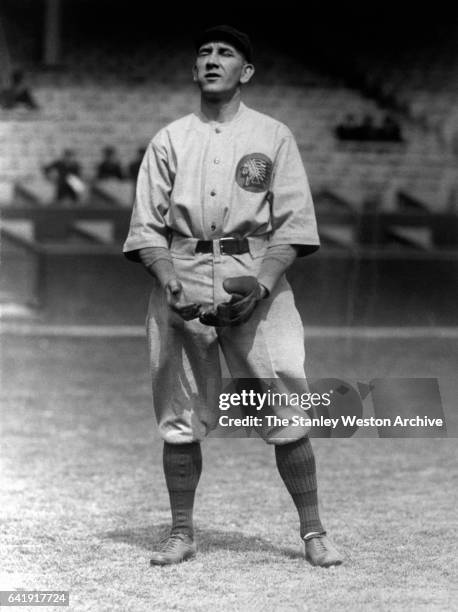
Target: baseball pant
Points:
(185, 357)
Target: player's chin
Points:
(214, 87)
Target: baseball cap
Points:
(239, 40)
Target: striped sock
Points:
(182, 469)
(296, 465)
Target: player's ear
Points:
(194, 73)
(247, 73)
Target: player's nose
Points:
(212, 60)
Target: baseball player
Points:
(222, 209)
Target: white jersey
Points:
(207, 180)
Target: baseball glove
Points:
(246, 293)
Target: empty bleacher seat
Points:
(37, 191)
(6, 193)
(119, 193)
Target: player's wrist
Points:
(164, 272)
(170, 282)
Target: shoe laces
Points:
(170, 542)
(319, 543)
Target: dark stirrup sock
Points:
(296, 465)
(182, 468)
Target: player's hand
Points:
(246, 293)
(177, 301)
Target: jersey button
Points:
(213, 227)
(212, 192)
(218, 130)
(216, 160)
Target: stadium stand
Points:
(374, 197)
(101, 100)
(89, 116)
(421, 83)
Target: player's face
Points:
(220, 69)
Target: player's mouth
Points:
(212, 76)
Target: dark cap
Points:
(225, 33)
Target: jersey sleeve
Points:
(152, 198)
(292, 210)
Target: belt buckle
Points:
(222, 242)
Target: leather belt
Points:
(227, 246)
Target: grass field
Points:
(84, 500)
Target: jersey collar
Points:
(216, 124)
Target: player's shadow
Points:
(208, 540)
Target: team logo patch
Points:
(254, 172)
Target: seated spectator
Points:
(390, 130)
(18, 93)
(345, 130)
(367, 129)
(110, 166)
(134, 165)
(66, 174)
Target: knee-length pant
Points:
(184, 355)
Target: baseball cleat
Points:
(177, 547)
(320, 551)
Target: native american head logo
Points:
(254, 172)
